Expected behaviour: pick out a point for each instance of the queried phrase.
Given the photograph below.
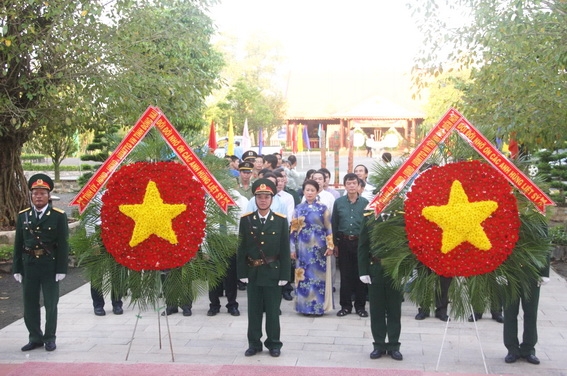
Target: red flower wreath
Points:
(153, 216)
(461, 219)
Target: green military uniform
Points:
(385, 301)
(245, 191)
(530, 301)
(263, 257)
(40, 252)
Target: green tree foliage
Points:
(164, 58)
(252, 89)
(116, 58)
(516, 51)
(445, 91)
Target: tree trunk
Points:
(57, 171)
(13, 183)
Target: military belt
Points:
(35, 252)
(259, 262)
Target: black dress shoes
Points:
(396, 354)
(212, 312)
(377, 354)
(531, 359)
(475, 317)
(169, 311)
(343, 312)
(286, 295)
(251, 352)
(442, 316)
(32, 346)
(275, 352)
(511, 358)
(99, 311)
(234, 311)
(362, 313)
(498, 317)
(50, 346)
(117, 310)
(422, 314)
(186, 311)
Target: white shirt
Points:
(289, 204)
(277, 206)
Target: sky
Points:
(338, 53)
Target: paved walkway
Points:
(343, 344)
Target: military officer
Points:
(384, 299)
(245, 181)
(263, 261)
(528, 296)
(40, 260)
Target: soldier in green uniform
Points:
(263, 261)
(40, 260)
(384, 299)
(529, 301)
(245, 179)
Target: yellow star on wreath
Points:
(461, 220)
(152, 216)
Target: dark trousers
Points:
(385, 310)
(288, 287)
(350, 281)
(529, 337)
(98, 298)
(39, 276)
(264, 299)
(441, 297)
(230, 287)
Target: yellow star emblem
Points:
(461, 220)
(152, 216)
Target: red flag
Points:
(212, 138)
(294, 139)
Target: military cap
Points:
(40, 181)
(250, 154)
(245, 166)
(261, 186)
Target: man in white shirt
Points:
(286, 198)
(323, 197)
(362, 172)
(277, 205)
(326, 187)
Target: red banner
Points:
(416, 159)
(503, 165)
(453, 120)
(101, 176)
(153, 117)
(184, 152)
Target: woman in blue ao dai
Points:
(311, 242)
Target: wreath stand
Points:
(461, 281)
(138, 317)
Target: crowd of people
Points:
(295, 231)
